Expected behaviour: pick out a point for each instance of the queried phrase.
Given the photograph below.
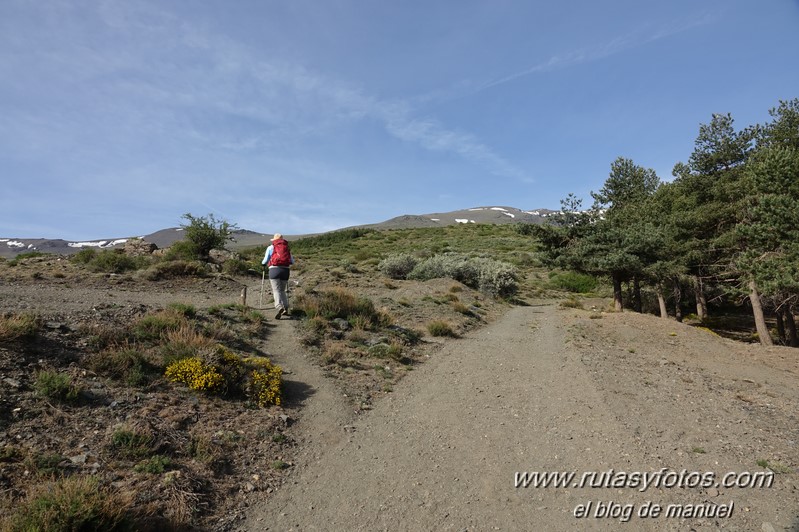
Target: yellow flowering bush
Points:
(224, 372)
(266, 380)
(195, 374)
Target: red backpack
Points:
(281, 256)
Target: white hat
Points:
(277, 236)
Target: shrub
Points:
(176, 268)
(182, 250)
(206, 233)
(312, 331)
(460, 307)
(45, 465)
(115, 261)
(236, 267)
(222, 371)
(441, 328)
(579, 283)
(195, 374)
(571, 303)
(155, 465)
(340, 303)
(398, 266)
(488, 275)
(151, 327)
(57, 386)
(84, 256)
(19, 326)
(24, 256)
(128, 365)
(74, 503)
(184, 309)
(497, 278)
(331, 239)
(131, 444)
(448, 265)
(265, 382)
(394, 351)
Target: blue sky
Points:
(118, 116)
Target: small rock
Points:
(712, 492)
(11, 382)
(78, 459)
(341, 324)
(249, 487)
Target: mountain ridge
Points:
(11, 247)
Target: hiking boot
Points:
(280, 312)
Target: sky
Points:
(302, 116)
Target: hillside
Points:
(11, 247)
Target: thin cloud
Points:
(602, 51)
(325, 103)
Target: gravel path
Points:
(539, 389)
(442, 451)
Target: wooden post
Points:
(243, 297)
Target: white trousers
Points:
(280, 293)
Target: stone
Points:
(137, 247)
(340, 324)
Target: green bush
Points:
(57, 386)
(155, 465)
(205, 233)
(115, 261)
(334, 238)
(182, 250)
(579, 283)
(448, 265)
(184, 309)
(491, 276)
(73, 503)
(497, 278)
(126, 365)
(131, 444)
(398, 265)
(236, 267)
(109, 260)
(84, 256)
(45, 465)
(151, 327)
(176, 268)
(337, 303)
(24, 256)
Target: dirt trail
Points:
(441, 452)
(539, 389)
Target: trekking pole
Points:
(261, 299)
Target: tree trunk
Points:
(780, 326)
(617, 299)
(661, 301)
(677, 300)
(790, 327)
(636, 294)
(757, 311)
(701, 300)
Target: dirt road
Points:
(546, 390)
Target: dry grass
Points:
(19, 326)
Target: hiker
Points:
(278, 258)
